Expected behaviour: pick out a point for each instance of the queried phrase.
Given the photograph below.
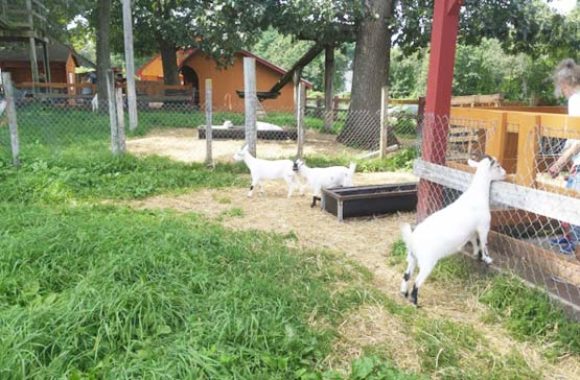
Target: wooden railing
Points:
(144, 88)
(514, 137)
(342, 104)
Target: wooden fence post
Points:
(208, 122)
(301, 101)
(384, 121)
(250, 101)
(528, 149)
(12, 122)
(112, 113)
(130, 65)
(120, 118)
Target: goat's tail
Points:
(407, 234)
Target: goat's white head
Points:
(239, 156)
(490, 165)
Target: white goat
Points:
(322, 178)
(266, 170)
(448, 230)
(95, 103)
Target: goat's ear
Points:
(472, 163)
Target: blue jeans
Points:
(573, 182)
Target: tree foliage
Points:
(284, 51)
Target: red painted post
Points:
(438, 102)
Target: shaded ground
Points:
(368, 242)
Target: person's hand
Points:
(554, 170)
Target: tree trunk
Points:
(103, 50)
(370, 73)
(328, 90)
(169, 62)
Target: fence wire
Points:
(535, 225)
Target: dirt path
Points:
(183, 144)
(367, 241)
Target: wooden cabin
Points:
(63, 63)
(195, 67)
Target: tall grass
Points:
(103, 292)
(95, 175)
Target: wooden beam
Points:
(130, 65)
(439, 82)
(250, 102)
(305, 60)
(555, 206)
(328, 87)
(536, 258)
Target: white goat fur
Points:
(322, 178)
(267, 170)
(446, 231)
(95, 103)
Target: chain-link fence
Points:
(535, 211)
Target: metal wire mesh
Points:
(535, 211)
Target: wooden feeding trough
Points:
(348, 202)
(238, 133)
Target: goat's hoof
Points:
(487, 260)
(404, 294)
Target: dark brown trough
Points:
(238, 133)
(348, 202)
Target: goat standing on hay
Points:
(266, 170)
(323, 178)
(446, 231)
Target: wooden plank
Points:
(208, 122)
(497, 139)
(112, 113)
(120, 119)
(250, 101)
(528, 148)
(561, 126)
(12, 121)
(555, 206)
(383, 135)
(534, 256)
(130, 64)
(476, 100)
(558, 190)
(301, 95)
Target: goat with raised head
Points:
(322, 178)
(267, 170)
(446, 231)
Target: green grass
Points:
(401, 160)
(529, 314)
(95, 175)
(106, 292)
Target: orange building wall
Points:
(227, 81)
(21, 72)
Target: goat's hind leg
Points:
(411, 264)
(482, 238)
(424, 272)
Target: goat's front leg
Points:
(291, 182)
(255, 183)
(482, 233)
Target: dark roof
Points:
(57, 52)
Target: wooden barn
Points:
(63, 62)
(195, 67)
